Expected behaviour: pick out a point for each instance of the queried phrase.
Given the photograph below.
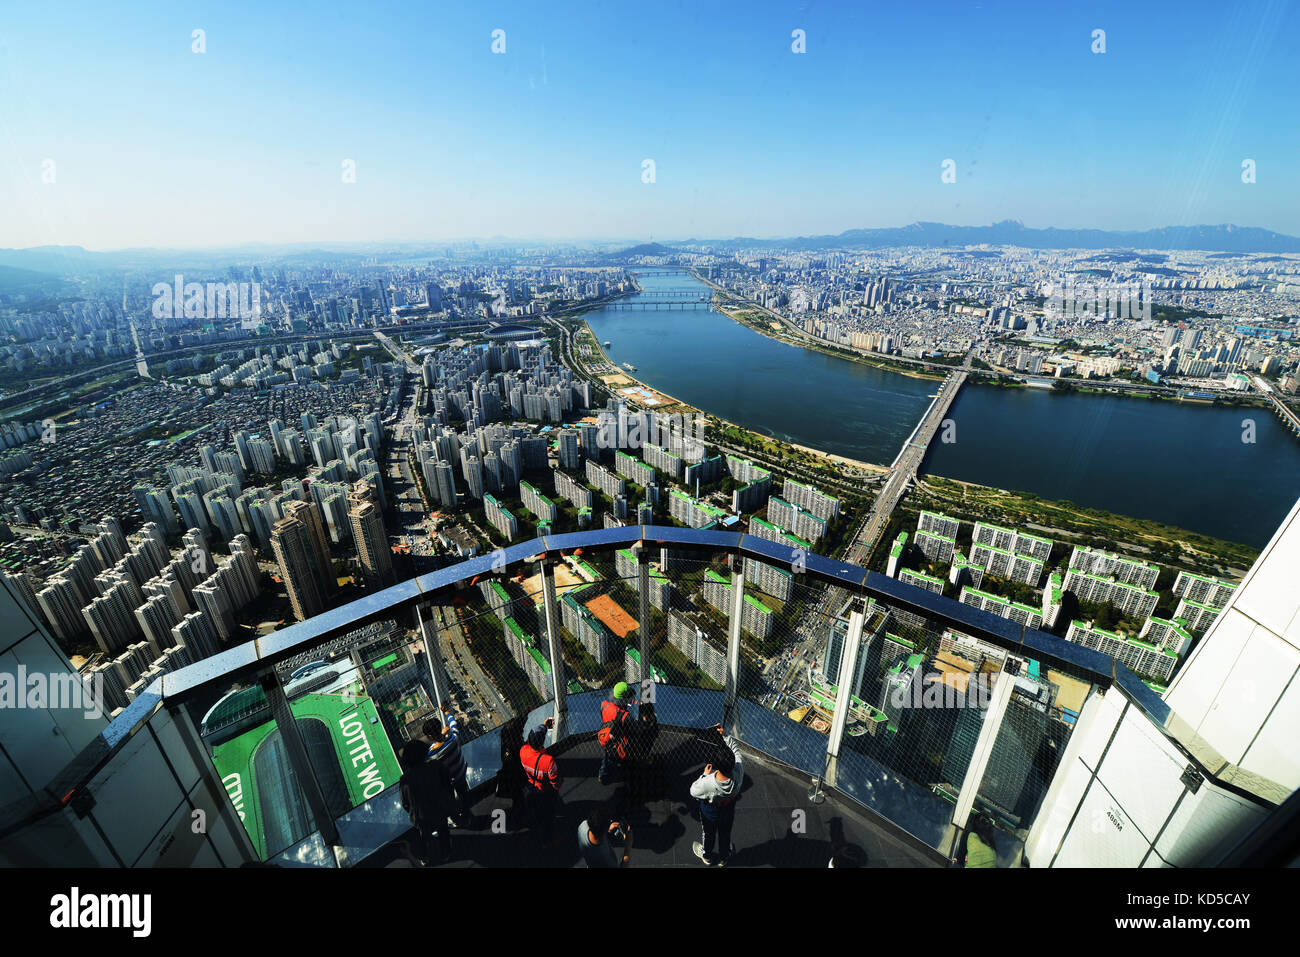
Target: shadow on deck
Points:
(665, 819)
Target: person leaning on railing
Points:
(444, 748)
(717, 789)
(642, 774)
(426, 796)
(542, 782)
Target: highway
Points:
(902, 474)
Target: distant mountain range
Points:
(1012, 232)
(1225, 239)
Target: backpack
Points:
(607, 736)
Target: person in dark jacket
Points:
(444, 748)
(510, 779)
(642, 772)
(426, 797)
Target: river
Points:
(1177, 463)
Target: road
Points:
(462, 670)
(902, 475)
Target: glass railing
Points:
(927, 713)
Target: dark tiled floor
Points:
(667, 823)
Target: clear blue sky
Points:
(155, 145)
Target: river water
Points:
(1177, 463)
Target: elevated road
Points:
(900, 477)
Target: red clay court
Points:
(612, 616)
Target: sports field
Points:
(612, 616)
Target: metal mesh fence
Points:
(238, 729)
(1035, 729)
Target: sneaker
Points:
(723, 862)
(698, 848)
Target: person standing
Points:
(444, 748)
(426, 797)
(613, 734)
(542, 782)
(642, 774)
(596, 836)
(510, 779)
(717, 789)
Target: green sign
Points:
(360, 748)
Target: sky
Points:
(114, 133)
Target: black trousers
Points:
(717, 821)
(425, 837)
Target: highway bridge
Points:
(1284, 411)
(654, 301)
(901, 475)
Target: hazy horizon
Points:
(118, 135)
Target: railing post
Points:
(988, 736)
(730, 713)
(555, 647)
(433, 654)
(298, 760)
(844, 693)
(643, 593)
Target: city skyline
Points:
(548, 139)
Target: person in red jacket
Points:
(613, 734)
(542, 782)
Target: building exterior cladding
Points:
(1021, 614)
(1127, 571)
(826, 507)
(537, 503)
(371, 539)
(582, 623)
(1196, 616)
(799, 521)
(1171, 635)
(755, 617)
(1005, 564)
(528, 655)
(706, 653)
(567, 487)
(934, 545)
(291, 542)
(662, 460)
(771, 533)
(500, 517)
(602, 478)
(921, 580)
(632, 469)
(1011, 540)
(661, 590)
(567, 450)
(1214, 592)
(1133, 600)
(1141, 656)
(690, 511)
(771, 579)
(498, 599)
(936, 523)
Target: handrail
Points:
(255, 656)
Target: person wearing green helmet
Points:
(613, 733)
